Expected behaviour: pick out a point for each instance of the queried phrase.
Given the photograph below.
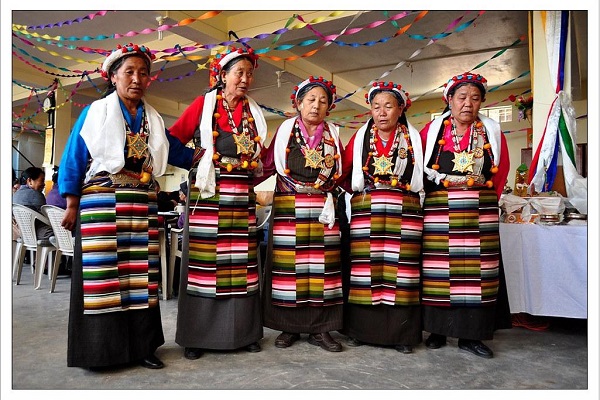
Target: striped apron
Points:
(461, 248)
(385, 248)
(119, 241)
(306, 254)
(222, 238)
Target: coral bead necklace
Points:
(382, 157)
(314, 158)
(464, 158)
(244, 140)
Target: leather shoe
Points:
(152, 362)
(435, 341)
(353, 342)
(253, 347)
(286, 339)
(404, 348)
(475, 347)
(325, 341)
(192, 353)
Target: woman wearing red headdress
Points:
(303, 283)
(219, 302)
(116, 148)
(384, 165)
(466, 164)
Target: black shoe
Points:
(253, 348)
(475, 347)
(152, 362)
(435, 341)
(324, 341)
(286, 339)
(353, 342)
(404, 348)
(192, 353)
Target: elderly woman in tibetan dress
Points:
(384, 164)
(466, 163)
(219, 302)
(116, 149)
(302, 293)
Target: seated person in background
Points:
(16, 185)
(54, 198)
(165, 202)
(30, 195)
(15, 181)
(183, 188)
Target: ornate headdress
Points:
(388, 87)
(122, 51)
(320, 81)
(220, 60)
(467, 77)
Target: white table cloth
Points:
(546, 269)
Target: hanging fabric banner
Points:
(560, 133)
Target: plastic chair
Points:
(262, 216)
(64, 240)
(26, 218)
(175, 252)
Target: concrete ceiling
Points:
(378, 45)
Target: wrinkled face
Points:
(465, 103)
(385, 111)
(37, 184)
(238, 79)
(131, 79)
(314, 105)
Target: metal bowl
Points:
(549, 219)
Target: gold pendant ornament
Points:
(329, 161)
(244, 143)
(313, 158)
(136, 146)
(478, 152)
(463, 162)
(383, 165)
(402, 153)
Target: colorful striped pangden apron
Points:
(119, 240)
(461, 248)
(306, 254)
(385, 247)
(222, 238)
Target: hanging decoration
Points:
(413, 55)
(78, 20)
(559, 135)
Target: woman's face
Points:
(465, 103)
(314, 105)
(37, 184)
(385, 111)
(131, 79)
(238, 79)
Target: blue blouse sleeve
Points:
(180, 155)
(74, 160)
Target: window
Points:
(499, 114)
